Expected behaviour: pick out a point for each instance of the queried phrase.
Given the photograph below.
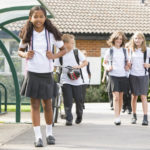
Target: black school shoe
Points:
(78, 120)
(68, 123)
(50, 140)
(39, 143)
(117, 123)
(145, 121)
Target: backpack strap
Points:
(78, 61)
(145, 56)
(125, 55)
(111, 56)
(88, 69)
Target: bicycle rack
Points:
(5, 96)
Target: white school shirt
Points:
(69, 60)
(40, 63)
(137, 61)
(85, 75)
(118, 62)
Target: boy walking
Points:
(72, 87)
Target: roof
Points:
(14, 10)
(98, 16)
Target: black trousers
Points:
(127, 101)
(84, 87)
(71, 92)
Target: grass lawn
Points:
(12, 108)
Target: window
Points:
(12, 47)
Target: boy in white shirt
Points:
(72, 89)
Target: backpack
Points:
(111, 55)
(75, 51)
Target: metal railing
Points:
(5, 97)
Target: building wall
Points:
(93, 47)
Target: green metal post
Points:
(0, 102)
(16, 83)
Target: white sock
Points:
(117, 120)
(37, 132)
(49, 130)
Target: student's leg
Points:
(134, 106)
(145, 109)
(116, 104)
(68, 100)
(120, 101)
(134, 103)
(35, 115)
(48, 114)
(77, 94)
(35, 112)
(144, 104)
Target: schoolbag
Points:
(111, 55)
(75, 51)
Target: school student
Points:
(72, 86)
(86, 76)
(38, 36)
(139, 79)
(110, 96)
(115, 62)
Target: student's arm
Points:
(22, 53)
(60, 46)
(106, 62)
(83, 64)
(104, 76)
(61, 53)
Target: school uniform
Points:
(118, 76)
(72, 89)
(38, 82)
(139, 77)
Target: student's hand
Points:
(110, 68)
(146, 65)
(129, 65)
(50, 55)
(127, 68)
(29, 54)
(76, 67)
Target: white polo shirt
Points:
(137, 61)
(40, 63)
(118, 62)
(69, 60)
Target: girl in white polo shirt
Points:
(139, 79)
(115, 62)
(38, 36)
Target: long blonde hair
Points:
(115, 36)
(133, 45)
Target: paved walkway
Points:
(97, 132)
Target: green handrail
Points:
(16, 83)
(4, 87)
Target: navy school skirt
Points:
(118, 84)
(38, 85)
(139, 85)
